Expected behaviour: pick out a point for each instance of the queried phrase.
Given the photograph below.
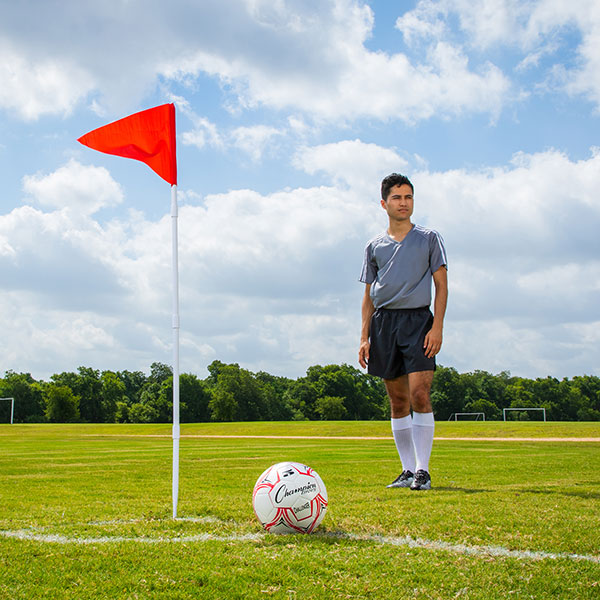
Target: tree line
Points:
(231, 393)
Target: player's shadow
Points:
(438, 488)
(583, 494)
(571, 493)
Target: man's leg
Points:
(423, 422)
(399, 395)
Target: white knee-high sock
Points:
(402, 432)
(423, 428)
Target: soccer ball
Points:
(289, 497)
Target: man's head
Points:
(390, 181)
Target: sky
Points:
(289, 113)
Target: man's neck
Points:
(399, 229)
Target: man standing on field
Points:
(400, 337)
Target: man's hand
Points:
(367, 310)
(433, 339)
(433, 342)
(363, 353)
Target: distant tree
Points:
(587, 413)
(215, 367)
(245, 390)
(275, 400)
(158, 399)
(519, 393)
(302, 396)
(195, 397)
(331, 408)
(343, 381)
(440, 404)
(134, 382)
(143, 413)
(231, 393)
(122, 412)
(223, 405)
(447, 392)
(489, 409)
(62, 406)
(589, 388)
(549, 394)
(29, 401)
(113, 392)
(363, 396)
(87, 386)
(160, 372)
(481, 385)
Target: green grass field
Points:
(85, 513)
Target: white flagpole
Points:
(176, 428)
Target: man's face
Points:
(400, 203)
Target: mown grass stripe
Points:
(346, 437)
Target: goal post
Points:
(12, 408)
(523, 408)
(454, 416)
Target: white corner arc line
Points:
(494, 551)
(406, 541)
(51, 538)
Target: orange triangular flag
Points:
(148, 136)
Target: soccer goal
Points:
(478, 416)
(12, 408)
(507, 409)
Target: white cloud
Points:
(350, 162)
(566, 281)
(539, 28)
(270, 281)
(85, 189)
(304, 57)
(246, 261)
(41, 85)
(309, 58)
(523, 251)
(204, 133)
(254, 140)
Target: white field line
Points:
(494, 551)
(406, 541)
(52, 538)
(208, 519)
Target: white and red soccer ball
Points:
(289, 497)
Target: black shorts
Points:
(397, 337)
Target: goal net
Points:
(7, 414)
(467, 416)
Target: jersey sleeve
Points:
(437, 252)
(369, 268)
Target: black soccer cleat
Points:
(422, 481)
(403, 480)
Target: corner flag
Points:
(149, 136)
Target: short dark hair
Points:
(394, 179)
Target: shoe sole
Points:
(404, 484)
(425, 486)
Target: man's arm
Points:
(433, 339)
(367, 311)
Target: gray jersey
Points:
(401, 272)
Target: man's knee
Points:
(399, 394)
(420, 391)
(420, 399)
